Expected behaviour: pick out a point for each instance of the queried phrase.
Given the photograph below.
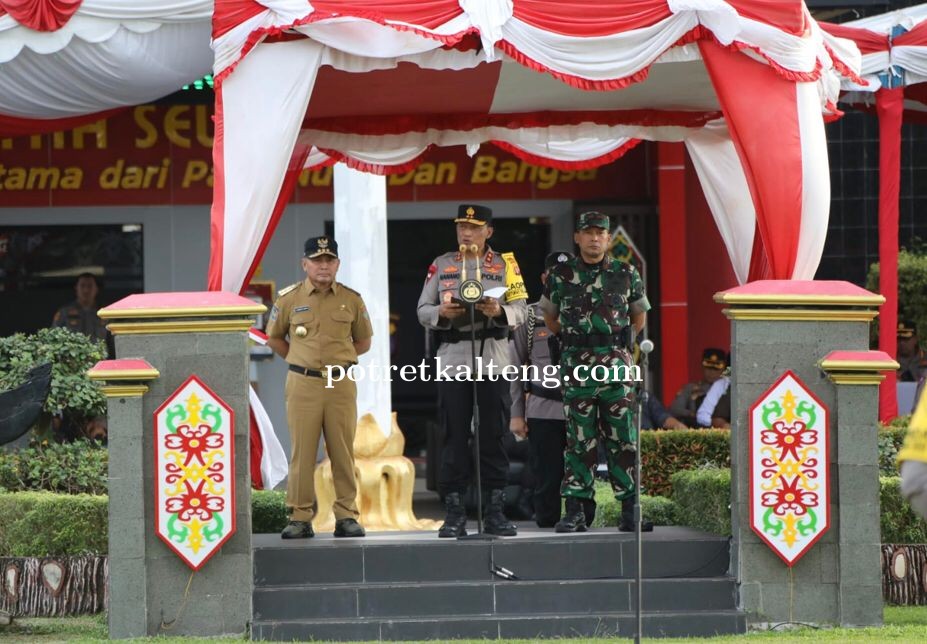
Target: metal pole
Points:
(646, 348)
(475, 423)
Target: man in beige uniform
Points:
(493, 320)
(316, 324)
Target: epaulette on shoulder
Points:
(348, 288)
(288, 289)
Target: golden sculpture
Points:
(385, 480)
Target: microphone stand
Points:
(470, 303)
(646, 348)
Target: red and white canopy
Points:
(894, 54)
(375, 83)
(64, 62)
(903, 56)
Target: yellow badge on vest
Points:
(513, 280)
(915, 441)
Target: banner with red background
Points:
(162, 155)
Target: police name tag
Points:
(300, 309)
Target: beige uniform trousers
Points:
(311, 411)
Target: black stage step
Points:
(400, 586)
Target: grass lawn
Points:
(902, 624)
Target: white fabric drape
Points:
(360, 228)
(96, 21)
(263, 105)
(725, 186)
(574, 151)
(815, 212)
(273, 459)
(128, 68)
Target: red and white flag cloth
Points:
(375, 83)
(268, 460)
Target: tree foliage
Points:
(912, 286)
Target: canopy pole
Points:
(890, 108)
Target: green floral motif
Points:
(174, 533)
(771, 411)
(211, 411)
(173, 414)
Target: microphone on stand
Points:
(470, 292)
(647, 347)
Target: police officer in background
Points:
(597, 304)
(80, 316)
(688, 400)
(316, 324)
(439, 310)
(537, 409)
(910, 356)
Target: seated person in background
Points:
(685, 406)
(715, 410)
(911, 357)
(655, 416)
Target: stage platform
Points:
(414, 586)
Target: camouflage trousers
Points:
(604, 412)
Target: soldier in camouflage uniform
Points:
(597, 304)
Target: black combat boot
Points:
(589, 507)
(494, 521)
(455, 523)
(627, 518)
(574, 520)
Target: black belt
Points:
(550, 393)
(455, 335)
(622, 339)
(306, 371)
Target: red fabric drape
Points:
(217, 213)
(917, 37)
(227, 14)
(869, 42)
(589, 18)
(768, 143)
(423, 13)
(257, 452)
(586, 18)
(890, 108)
(40, 15)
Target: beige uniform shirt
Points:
(443, 282)
(334, 320)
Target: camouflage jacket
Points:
(594, 300)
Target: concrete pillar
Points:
(177, 335)
(794, 325)
(124, 385)
(856, 377)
